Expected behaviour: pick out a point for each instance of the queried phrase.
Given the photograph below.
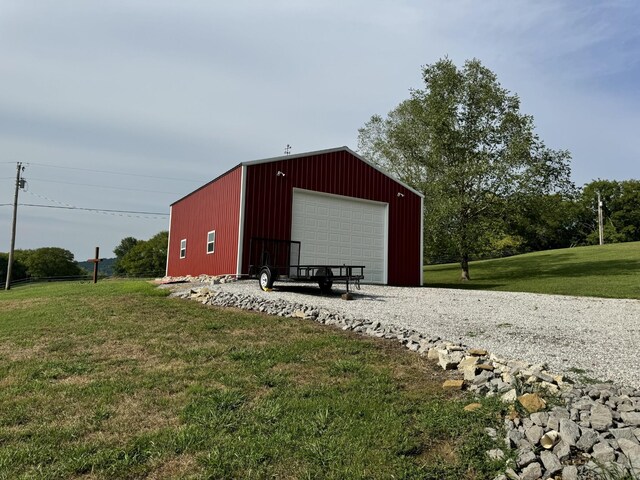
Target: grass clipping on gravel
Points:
(116, 381)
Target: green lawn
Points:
(600, 271)
(114, 380)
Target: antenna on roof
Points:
(287, 149)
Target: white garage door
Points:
(338, 230)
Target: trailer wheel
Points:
(324, 281)
(265, 279)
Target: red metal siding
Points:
(216, 206)
(269, 198)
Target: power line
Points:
(101, 210)
(100, 186)
(66, 206)
(112, 173)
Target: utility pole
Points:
(600, 221)
(19, 185)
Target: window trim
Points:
(183, 248)
(211, 242)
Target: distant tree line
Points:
(46, 262)
(134, 258)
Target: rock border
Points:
(592, 429)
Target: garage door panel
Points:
(340, 230)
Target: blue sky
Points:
(169, 94)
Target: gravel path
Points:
(597, 335)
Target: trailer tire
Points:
(324, 281)
(266, 279)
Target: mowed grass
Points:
(600, 271)
(115, 380)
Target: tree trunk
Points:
(464, 274)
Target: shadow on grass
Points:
(537, 268)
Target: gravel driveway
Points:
(597, 335)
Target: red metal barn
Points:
(343, 209)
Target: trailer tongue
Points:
(272, 260)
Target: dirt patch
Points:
(115, 350)
(442, 450)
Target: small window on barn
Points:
(183, 248)
(211, 241)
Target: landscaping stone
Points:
(511, 474)
(550, 462)
(631, 418)
(468, 362)
(510, 396)
(449, 360)
(562, 450)
(587, 440)
(631, 450)
(477, 352)
(495, 454)
(525, 457)
(570, 472)
(534, 433)
(626, 432)
(601, 418)
(603, 453)
(569, 431)
(532, 402)
(485, 366)
(453, 384)
(540, 418)
(533, 471)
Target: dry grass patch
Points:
(130, 417)
(13, 352)
(180, 467)
(23, 303)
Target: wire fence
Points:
(88, 278)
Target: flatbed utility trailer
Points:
(272, 260)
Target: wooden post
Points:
(95, 262)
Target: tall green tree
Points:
(543, 222)
(18, 269)
(147, 258)
(125, 245)
(463, 142)
(49, 262)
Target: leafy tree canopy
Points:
(18, 271)
(145, 258)
(125, 245)
(463, 142)
(621, 210)
(47, 262)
